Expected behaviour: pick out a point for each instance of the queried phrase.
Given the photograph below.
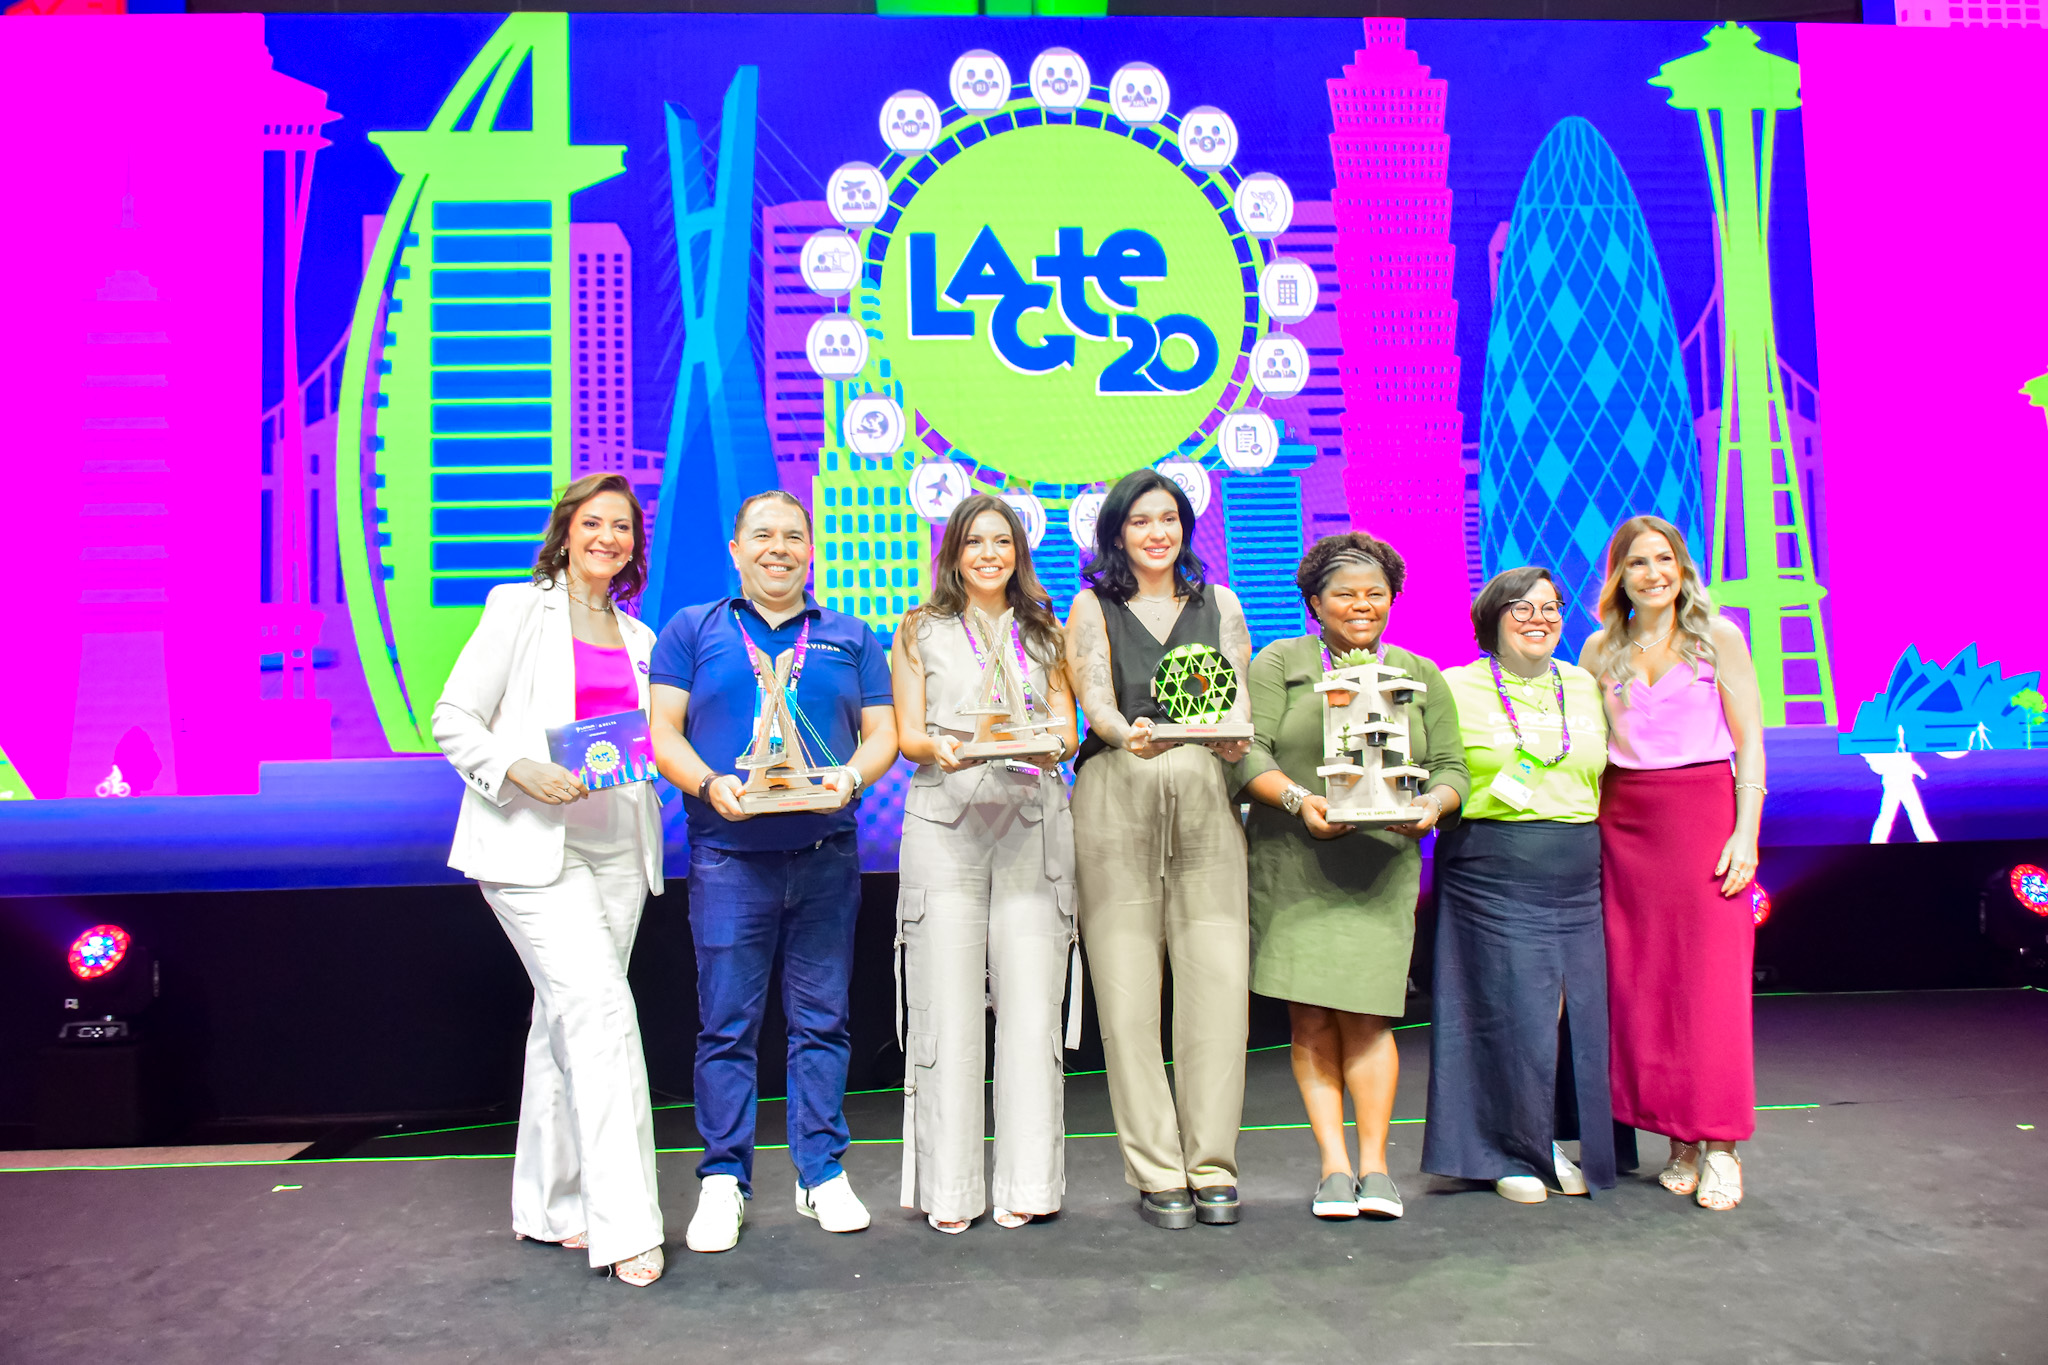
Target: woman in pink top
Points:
(1678, 831)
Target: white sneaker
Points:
(1570, 1179)
(721, 1208)
(1523, 1189)
(834, 1204)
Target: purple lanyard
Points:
(1564, 728)
(756, 655)
(1017, 644)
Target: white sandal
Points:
(575, 1241)
(1721, 1182)
(1681, 1174)
(640, 1271)
(950, 1229)
(1005, 1218)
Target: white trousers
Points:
(985, 917)
(585, 1155)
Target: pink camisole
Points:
(1671, 723)
(604, 681)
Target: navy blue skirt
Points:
(1518, 929)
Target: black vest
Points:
(1134, 655)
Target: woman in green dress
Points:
(1332, 906)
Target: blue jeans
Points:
(744, 908)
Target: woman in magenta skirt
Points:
(1678, 831)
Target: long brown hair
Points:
(553, 558)
(1693, 615)
(1025, 596)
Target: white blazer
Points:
(516, 680)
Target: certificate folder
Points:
(605, 751)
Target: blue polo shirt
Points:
(846, 669)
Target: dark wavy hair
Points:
(553, 559)
(1024, 594)
(1504, 587)
(1109, 571)
(1332, 553)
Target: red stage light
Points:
(2030, 887)
(1759, 903)
(98, 951)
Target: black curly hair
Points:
(1332, 553)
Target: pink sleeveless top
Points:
(1674, 722)
(604, 681)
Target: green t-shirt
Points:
(1569, 792)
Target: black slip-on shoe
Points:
(1168, 1208)
(1216, 1204)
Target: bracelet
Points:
(704, 787)
(853, 773)
(1759, 788)
(1291, 799)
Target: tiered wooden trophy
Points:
(780, 777)
(1004, 727)
(1367, 744)
(1196, 686)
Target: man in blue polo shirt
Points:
(759, 884)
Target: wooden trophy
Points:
(1196, 686)
(1367, 744)
(780, 778)
(1003, 727)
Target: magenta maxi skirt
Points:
(1678, 955)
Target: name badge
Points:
(1515, 784)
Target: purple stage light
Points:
(98, 951)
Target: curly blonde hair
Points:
(1694, 617)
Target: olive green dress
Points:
(1333, 920)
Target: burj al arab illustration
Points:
(455, 416)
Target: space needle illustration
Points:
(1737, 91)
(455, 419)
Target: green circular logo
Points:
(1061, 300)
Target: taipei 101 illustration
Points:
(455, 404)
(1769, 573)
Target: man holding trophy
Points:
(771, 714)
(1159, 661)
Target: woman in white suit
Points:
(567, 870)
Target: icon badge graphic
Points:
(1138, 93)
(873, 425)
(1208, 138)
(910, 121)
(1029, 510)
(837, 347)
(1264, 204)
(1279, 366)
(936, 488)
(1248, 440)
(1288, 290)
(1082, 514)
(830, 264)
(1059, 78)
(1192, 479)
(980, 82)
(856, 194)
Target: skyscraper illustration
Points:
(603, 439)
(454, 419)
(718, 433)
(1399, 324)
(1584, 419)
(1768, 572)
(795, 396)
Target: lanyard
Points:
(1564, 728)
(1016, 644)
(764, 673)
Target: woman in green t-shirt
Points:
(1518, 1054)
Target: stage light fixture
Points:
(2030, 887)
(97, 951)
(1759, 904)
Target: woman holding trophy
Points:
(1333, 900)
(1158, 661)
(984, 710)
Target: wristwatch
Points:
(704, 787)
(1291, 799)
(853, 773)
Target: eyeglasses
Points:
(1522, 609)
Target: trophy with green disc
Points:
(1196, 687)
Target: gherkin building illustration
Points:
(1584, 419)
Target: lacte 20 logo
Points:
(1122, 260)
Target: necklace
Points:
(606, 608)
(1143, 597)
(1646, 648)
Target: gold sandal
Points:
(1681, 1175)
(1721, 1182)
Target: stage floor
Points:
(1896, 1212)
